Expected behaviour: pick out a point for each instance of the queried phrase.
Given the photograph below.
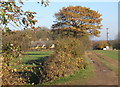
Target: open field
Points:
(31, 58)
(110, 53)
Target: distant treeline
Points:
(23, 38)
(114, 44)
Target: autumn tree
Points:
(100, 44)
(12, 14)
(78, 20)
(71, 30)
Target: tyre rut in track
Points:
(103, 75)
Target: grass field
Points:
(110, 53)
(30, 58)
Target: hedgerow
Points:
(66, 59)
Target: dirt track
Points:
(104, 75)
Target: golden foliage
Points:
(66, 59)
(79, 19)
(15, 16)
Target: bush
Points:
(17, 38)
(100, 44)
(11, 48)
(10, 76)
(66, 60)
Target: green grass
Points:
(81, 77)
(108, 65)
(28, 57)
(30, 65)
(34, 55)
(110, 53)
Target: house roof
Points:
(40, 43)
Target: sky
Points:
(108, 9)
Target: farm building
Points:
(42, 44)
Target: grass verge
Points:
(112, 54)
(79, 78)
(109, 65)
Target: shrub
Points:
(11, 48)
(66, 60)
(10, 76)
(17, 38)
